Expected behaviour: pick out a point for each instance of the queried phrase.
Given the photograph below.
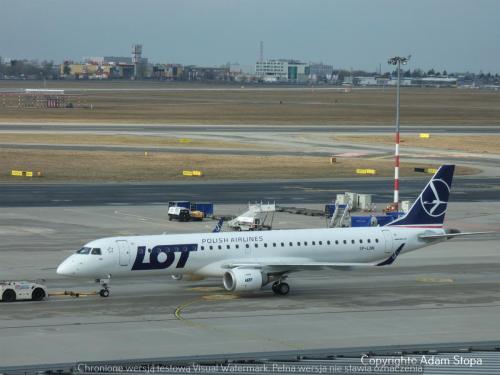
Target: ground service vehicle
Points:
(179, 213)
(11, 291)
(184, 214)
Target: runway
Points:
(465, 189)
(240, 128)
(445, 293)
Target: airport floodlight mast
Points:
(398, 61)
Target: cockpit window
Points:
(84, 250)
(96, 251)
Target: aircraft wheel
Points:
(38, 294)
(104, 293)
(9, 296)
(281, 289)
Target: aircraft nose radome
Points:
(61, 270)
(64, 269)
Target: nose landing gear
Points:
(104, 292)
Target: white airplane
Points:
(249, 261)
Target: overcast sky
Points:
(456, 35)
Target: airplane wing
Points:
(290, 265)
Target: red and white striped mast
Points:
(397, 61)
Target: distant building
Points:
(282, 70)
(170, 72)
(272, 70)
(196, 73)
(94, 70)
(435, 81)
(319, 71)
(377, 81)
(86, 70)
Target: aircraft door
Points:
(123, 252)
(388, 241)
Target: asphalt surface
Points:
(181, 150)
(444, 293)
(286, 191)
(144, 128)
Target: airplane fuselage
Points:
(208, 254)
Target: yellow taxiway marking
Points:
(206, 289)
(220, 297)
(434, 280)
(189, 322)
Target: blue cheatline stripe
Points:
(392, 258)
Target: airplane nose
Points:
(62, 269)
(65, 268)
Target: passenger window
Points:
(220, 247)
(290, 243)
(369, 241)
(228, 247)
(360, 241)
(211, 247)
(256, 245)
(203, 248)
(345, 242)
(247, 246)
(96, 251)
(376, 240)
(282, 244)
(305, 243)
(336, 242)
(313, 243)
(352, 241)
(328, 242)
(320, 242)
(298, 243)
(265, 245)
(237, 246)
(274, 244)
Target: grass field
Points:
(118, 140)
(132, 166)
(232, 105)
(470, 143)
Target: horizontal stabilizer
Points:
(452, 235)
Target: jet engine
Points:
(242, 280)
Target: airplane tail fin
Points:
(429, 208)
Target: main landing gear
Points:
(104, 292)
(280, 287)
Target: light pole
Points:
(397, 61)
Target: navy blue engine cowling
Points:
(430, 206)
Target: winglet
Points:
(218, 226)
(392, 258)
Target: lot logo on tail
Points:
(430, 207)
(435, 198)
